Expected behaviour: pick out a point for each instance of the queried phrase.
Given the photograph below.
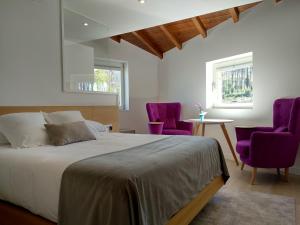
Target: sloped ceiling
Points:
(122, 16)
(159, 39)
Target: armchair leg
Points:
(253, 177)
(286, 174)
(242, 166)
(278, 171)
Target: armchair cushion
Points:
(182, 125)
(169, 123)
(176, 132)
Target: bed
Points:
(43, 196)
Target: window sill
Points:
(91, 92)
(232, 107)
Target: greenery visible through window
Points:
(230, 82)
(107, 80)
(111, 79)
(237, 83)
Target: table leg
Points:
(229, 143)
(203, 129)
(194, 129)
(197, 128)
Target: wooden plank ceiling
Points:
(160, 39)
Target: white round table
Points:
(202, 123)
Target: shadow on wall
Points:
(137, 118)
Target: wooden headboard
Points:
(102, 114)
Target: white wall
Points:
(143, 79)
(271, 32)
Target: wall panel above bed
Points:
(102, 114)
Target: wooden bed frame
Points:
(13, 215)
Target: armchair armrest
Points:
(181, 125)
(244, 133)
(269, 149)
(155, 127)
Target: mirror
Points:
(83, 72)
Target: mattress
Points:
(31, 177)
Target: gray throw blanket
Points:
(144, 185)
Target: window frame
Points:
(211, 77)
(122, 67)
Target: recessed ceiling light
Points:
(141, 1)
(85, 24)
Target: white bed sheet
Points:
(31, 177)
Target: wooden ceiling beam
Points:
(199, 26)
(171, 37)
(117, 38)
(149, 44)
(154, 40)
(235, 14)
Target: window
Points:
(230, 82)
(109, 80)
(110, 77)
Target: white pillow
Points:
(3, 140)
(24, 129)
(98, 129)
(96, 126)
(63, 117)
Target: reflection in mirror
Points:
(82, 71)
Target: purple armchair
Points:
(169, 115)
(272, 147)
